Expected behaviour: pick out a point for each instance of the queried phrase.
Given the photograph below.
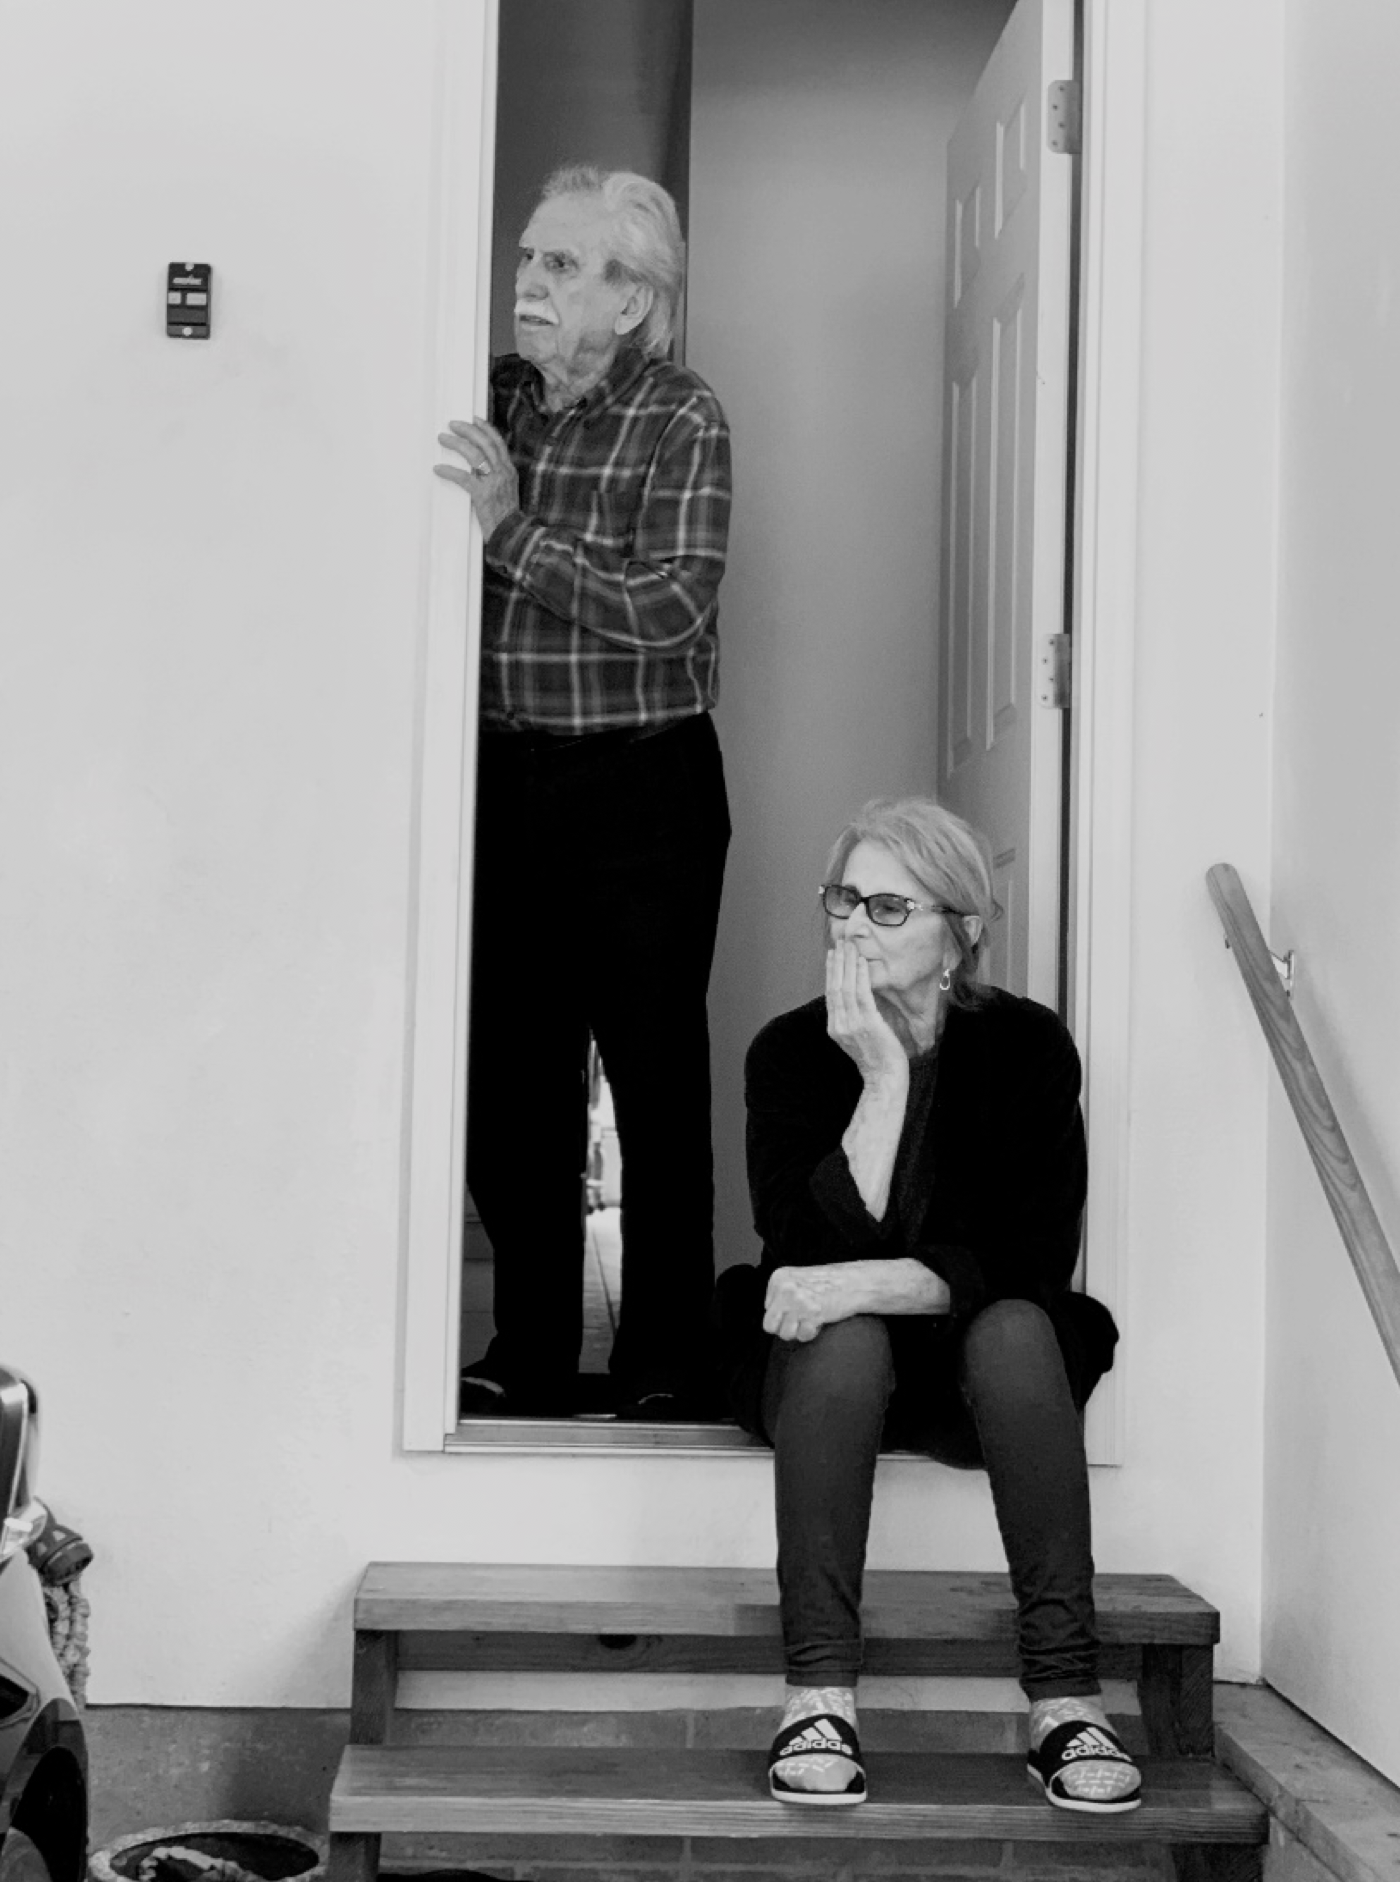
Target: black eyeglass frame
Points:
(887, 896)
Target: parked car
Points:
(43, 1753)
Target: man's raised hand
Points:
(486, 472)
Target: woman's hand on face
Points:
(488, 476)
(801, 1301)
(853, 1019)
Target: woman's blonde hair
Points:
(947, 857)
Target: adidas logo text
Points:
(1091, 1743)
(823, 1736)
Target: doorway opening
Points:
(813, 193)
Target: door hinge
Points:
(1064, 117)
(1055, 671)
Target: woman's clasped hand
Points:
(854, 1020)
(801, 1301)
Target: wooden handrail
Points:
(1327, 1145)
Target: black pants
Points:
(996, 1394)
(599, 866)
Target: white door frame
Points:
(433, 1151)
(1104, 626)
(1104, 632)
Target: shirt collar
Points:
(621, 376)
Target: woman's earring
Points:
(946, 981)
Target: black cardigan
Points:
(1004, 1153)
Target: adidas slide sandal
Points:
(1070, 1746)
(824, 1735)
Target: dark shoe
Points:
(664, 1408)
(479, 1397)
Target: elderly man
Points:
(602, 487)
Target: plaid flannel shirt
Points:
(599, 608)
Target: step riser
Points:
(725, 1728)
(622, 1859)
(689, 1653)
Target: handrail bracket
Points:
(1285, 966)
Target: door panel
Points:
(1006, 377)
(960, 562)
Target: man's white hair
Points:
(644, 240)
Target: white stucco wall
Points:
(1332, 1627)
(210, 606)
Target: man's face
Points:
(569, 320)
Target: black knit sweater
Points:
(1002, 1155)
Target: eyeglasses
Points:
(840, 901)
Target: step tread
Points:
(440, 1597)
(605, 1791)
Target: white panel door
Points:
(1006, 378)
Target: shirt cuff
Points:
(512, 541)
(835, 1194)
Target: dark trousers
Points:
(599, 866)
(996, 1395)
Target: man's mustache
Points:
(533, 311)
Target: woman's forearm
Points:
(871, 1140)
(801, 1301)
(895, 1287)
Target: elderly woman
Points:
(917, 1166)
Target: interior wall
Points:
(596, 81)
(1332, 1626)
(818, 142)
(209, 580)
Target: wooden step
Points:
(522, 1617)
(438, 1597)
(444, 1617)
(606, 1792)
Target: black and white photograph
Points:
(699, 879)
